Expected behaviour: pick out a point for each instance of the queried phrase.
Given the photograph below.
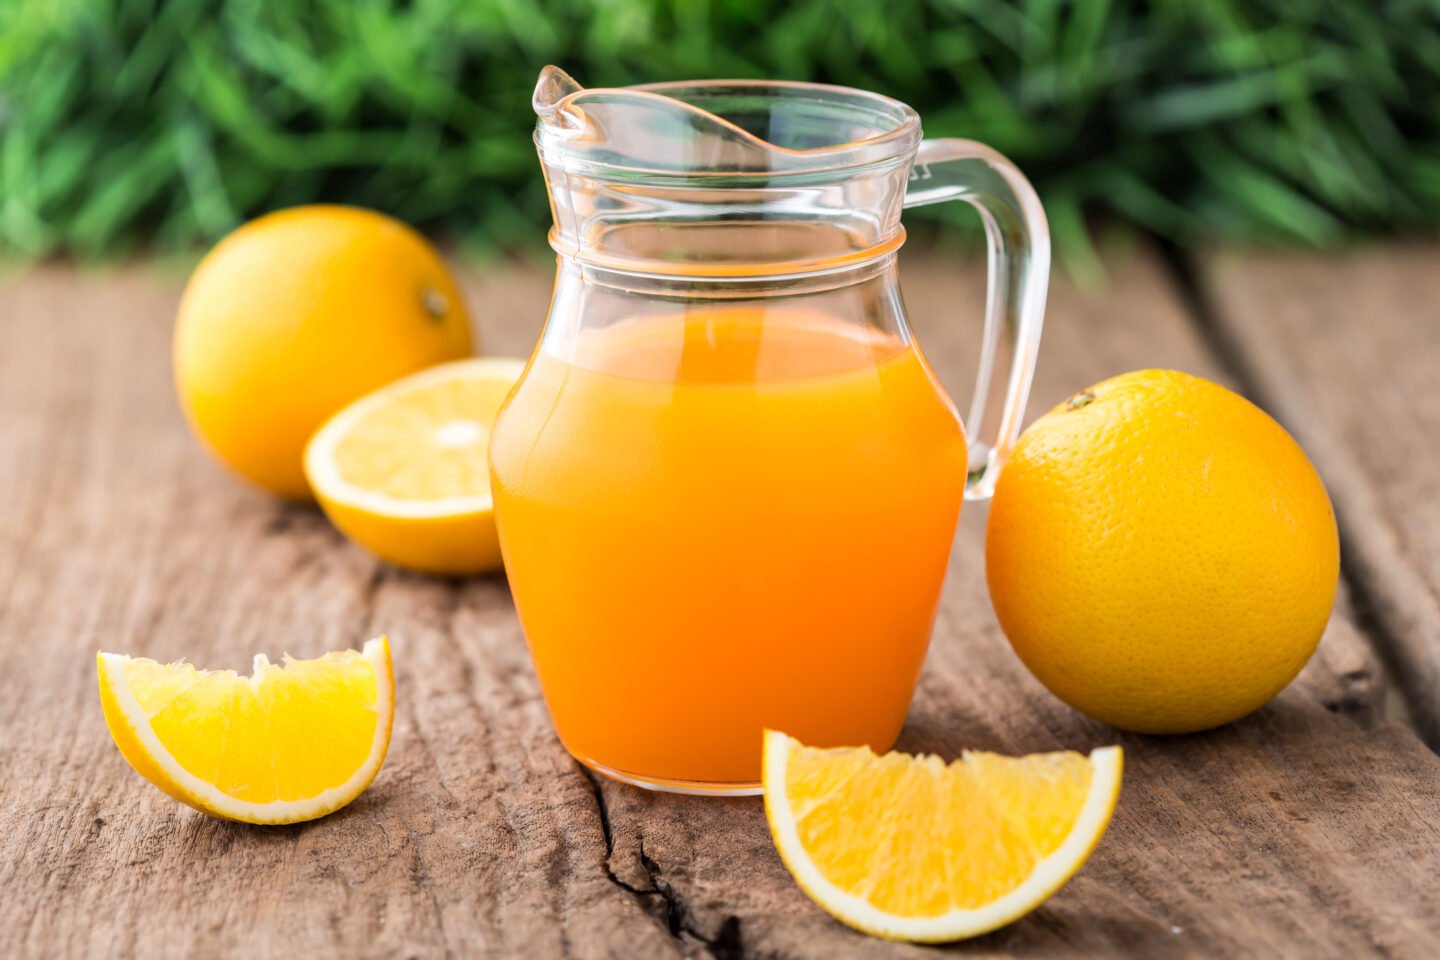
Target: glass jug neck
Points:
(862, 300)
(725, 179)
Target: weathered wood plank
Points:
(479, 837)
(1346, 351)
(1308, 830)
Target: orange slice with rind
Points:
(913, 848)
(293, 741)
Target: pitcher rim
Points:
(897, 142)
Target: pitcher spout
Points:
(553, 88)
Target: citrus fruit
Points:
(290, 742)
(404, 473)
(1161, 554)
(912, 848)
(296, 314)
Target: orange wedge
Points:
(912, 848)
(290, 742)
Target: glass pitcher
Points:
(727, 483)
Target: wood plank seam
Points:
(1401, 619)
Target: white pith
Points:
(209, 797)
(1048, 876)
(325, 476)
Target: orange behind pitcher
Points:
(724, 519)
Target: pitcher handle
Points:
(1018, 241)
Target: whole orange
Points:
(1161, 554)
(298, 313)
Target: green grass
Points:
(128, 123)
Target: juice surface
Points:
(723, 520)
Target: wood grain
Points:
(1311, 829)
(1346, 351)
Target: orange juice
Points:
(723, 520)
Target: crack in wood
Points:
(662, 902)
(725, 945)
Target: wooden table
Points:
(1311, 829)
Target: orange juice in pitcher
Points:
(728, 482)
(715, 558)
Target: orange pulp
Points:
(724, 520)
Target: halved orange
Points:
(404, 471)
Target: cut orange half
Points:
(288, 743)
(405, 472)
(912, 848)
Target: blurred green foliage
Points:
(126, 122)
